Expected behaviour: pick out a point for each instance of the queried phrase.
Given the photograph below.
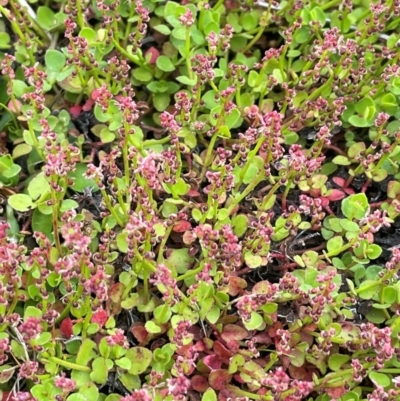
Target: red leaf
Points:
(193, 193)
(6, 396)
(16, 103)
(212, 361)
(75, 111)
(335, 392)
(335, 195)
(221, 351)
(199, 383)
(234, 332)
(219, 378)
(152, 54)
(141, 334)
(66, 327)
(339, 181)
(100, 317)
(236, 285)
(115, 292)
(88, 105)
(182, 226)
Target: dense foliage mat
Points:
(200, 200)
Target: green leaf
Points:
(4, 40)
(318, 15)
(349, 225)
(42, 223)
(355, 206)
(179, 33)
(38, 186)
(252, 261)
(360, 122)
(21, 202)
(209, 395)
(161, 101)
(80, 182)
(368, 289)
(334, 244)
(186, 81)
(77, 397)
(253, 78)
(380, 379)
(124, 363)
(232, 118)
(256, 321)
(55, 60)
(89, 34)
(240, 224)
(31, 311)
(140, 358)
(85, 353)
(163, 29)
(389, 295)
(165, 64)
(341, 160)
(152, 327)
(46, 18)
(162, 313)
(337, 360)
(180, 259)
(99, 372)
(376, 316)
(19, 87)
(302, 35)
(142, 74)
(373, 251)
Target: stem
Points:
(131, 57)
(66, 364)
(80, 20)
(254, 182)
(162, 244)
(111, 208)
(344, 247)
(187, 51)
(11, 113)
(254, 40)
(208, 156)
(55, 220)
(238, 391)
(190, 273)
(330, 4)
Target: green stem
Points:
(254, 40)
(66, 364)
(55, 205)
(63, 314)
(80, 20)
(162, 244)
(162, 141)
(190, 273)
(11, 114)
(122, 203)
(208, 156)
(131, 57)
(252, 396)
(111, 208)
(344, 247)
(330, 4)
(187, 51)
(128, 26)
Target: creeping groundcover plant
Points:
(200, 200)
